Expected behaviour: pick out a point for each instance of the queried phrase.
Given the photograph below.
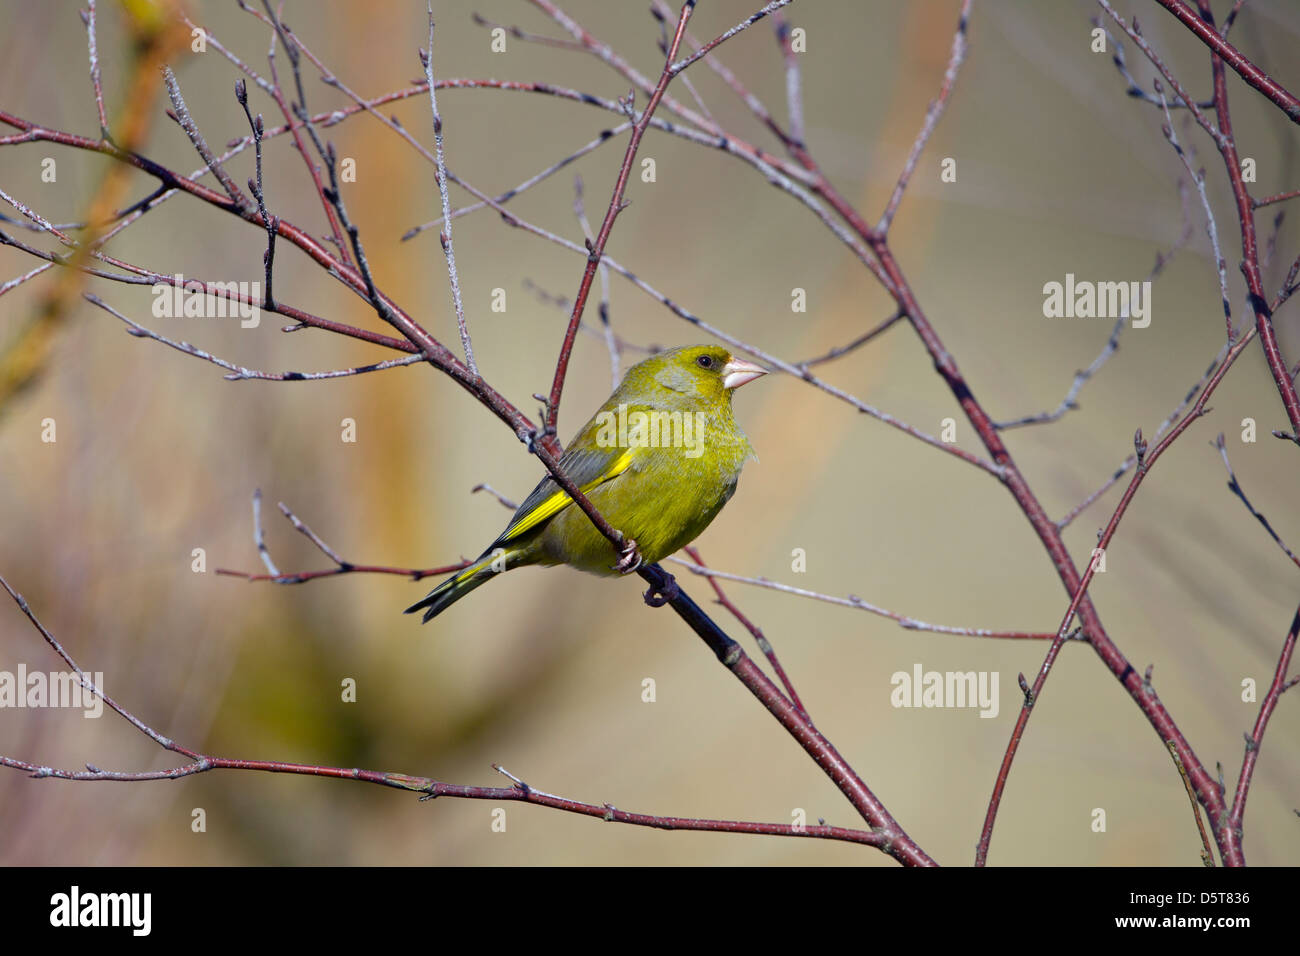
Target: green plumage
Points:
(658, 460)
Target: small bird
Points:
(658, 460)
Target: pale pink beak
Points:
(737, 372)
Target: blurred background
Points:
(1058, 171)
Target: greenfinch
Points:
(658, 460)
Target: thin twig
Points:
(841, 350)
(611, 340)
(1255, 738)
(596, 248)
(793, 84)
(1211, 229)
(531, 181)
(200, 144)
(95, 81)
(1235, 487)
(445, 236)
(1131, 460)
(755, 631)
(745, 24)
(1207, 855)
(937, 106)
(853, 601)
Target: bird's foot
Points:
(659, 596)
(629, 558)
(537, 436)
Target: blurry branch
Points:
(181, 114)
(428, 787)
(1279, 197)
(259, 538)
(1132, 459)
(1235, 487)
(505, 197)
(239, 372)
(1231, 18)
(505, 502)
(1207, 854)
(342, 566)
(611, 340)
(523, 36)
(853, 601)
(664, 42)
(842, 350)
(932, 115)
(153, 45)
(1211, 228)
(96, 80)
(141, 276)
(728, 34)
(1135, 89)
(563, 304)
(793, 81)
(299, 111)
(1071, 400)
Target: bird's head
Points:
(703, 374)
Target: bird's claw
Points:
(629, 558)
(537, 436)
(659, 596)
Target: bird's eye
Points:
(705, 361)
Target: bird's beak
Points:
(737, 372)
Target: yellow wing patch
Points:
(559, 499)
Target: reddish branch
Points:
(429, 787)
(1246, 217)
(757, 632)
(1202, 27)
(1206, 787)
(1256, 737)
(596, 247)
(299, 110)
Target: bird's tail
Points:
(459, 584)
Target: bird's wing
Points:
(588, 467)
